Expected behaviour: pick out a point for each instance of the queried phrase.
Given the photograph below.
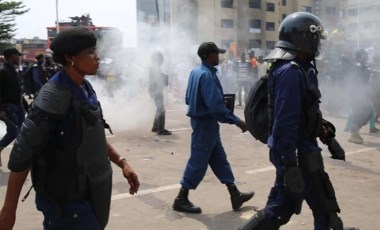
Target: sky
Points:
(42, 13)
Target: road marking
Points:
(146, 191)
(270, 168)
(260, 170)
(180, 129)
(177, 186)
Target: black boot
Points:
(182, 203)
(237, 197)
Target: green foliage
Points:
(8, 11)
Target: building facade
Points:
(241, 24)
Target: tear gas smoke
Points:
(122, 82)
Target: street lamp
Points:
(56, 14)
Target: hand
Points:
(132, 178)
(2, 115)
(7, 219)
(242, 126)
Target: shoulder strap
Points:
(54, 100)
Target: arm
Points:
(214, 100)
(8, 212)
(288, 91)
(128, 172)
(37, 78)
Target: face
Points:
(15, 59)
(86, 61)
(214, 59)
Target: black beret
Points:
(73, 40)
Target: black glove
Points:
(337, 152)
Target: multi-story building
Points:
(245, 24)
(362, 22)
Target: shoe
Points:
(374, 130)
(164, 132)
(183, 204)
(154, 130)
(356, 139)
(238, 198)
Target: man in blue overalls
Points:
(206, 109)
(296, 122)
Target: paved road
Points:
(160, 161)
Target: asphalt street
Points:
(160, 161)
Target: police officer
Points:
(39, 73)
(157, 83)
(296, 121)
(11, 107)
(63, 143)
(206, 108)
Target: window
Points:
(342, 13)
(256, 4)
(255, 43)
(330, 10)
(284, 2)
(306, 9)
(270, 26)
(227, 3)
(255, 26)
(226, 23)
(226, 43)
(270, 7)
(353, 12)
(283, 16)
(270, 45)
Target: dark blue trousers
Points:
(280, 203)
(16, 116)
(69, 216)
(206, 149)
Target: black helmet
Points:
(301, 32)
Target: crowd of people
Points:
(63, 138)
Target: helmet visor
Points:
(323, 42)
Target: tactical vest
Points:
(77, 168)
(311, 116)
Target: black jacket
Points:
(10, 86)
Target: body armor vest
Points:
(77, 168)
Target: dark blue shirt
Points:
(204, 96)
(287, 86)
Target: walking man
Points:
(206, 109)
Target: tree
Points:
(8, 12)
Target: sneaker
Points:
(374, 130)
(355, 140)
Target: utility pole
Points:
(56, 14)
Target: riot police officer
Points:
(296, 122)
(63, 143)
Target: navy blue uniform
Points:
(70, 215)
(287, 144)
(204, 97)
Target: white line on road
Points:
(146, 191)
(270, 168)
(176, 186)
(180, 129)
